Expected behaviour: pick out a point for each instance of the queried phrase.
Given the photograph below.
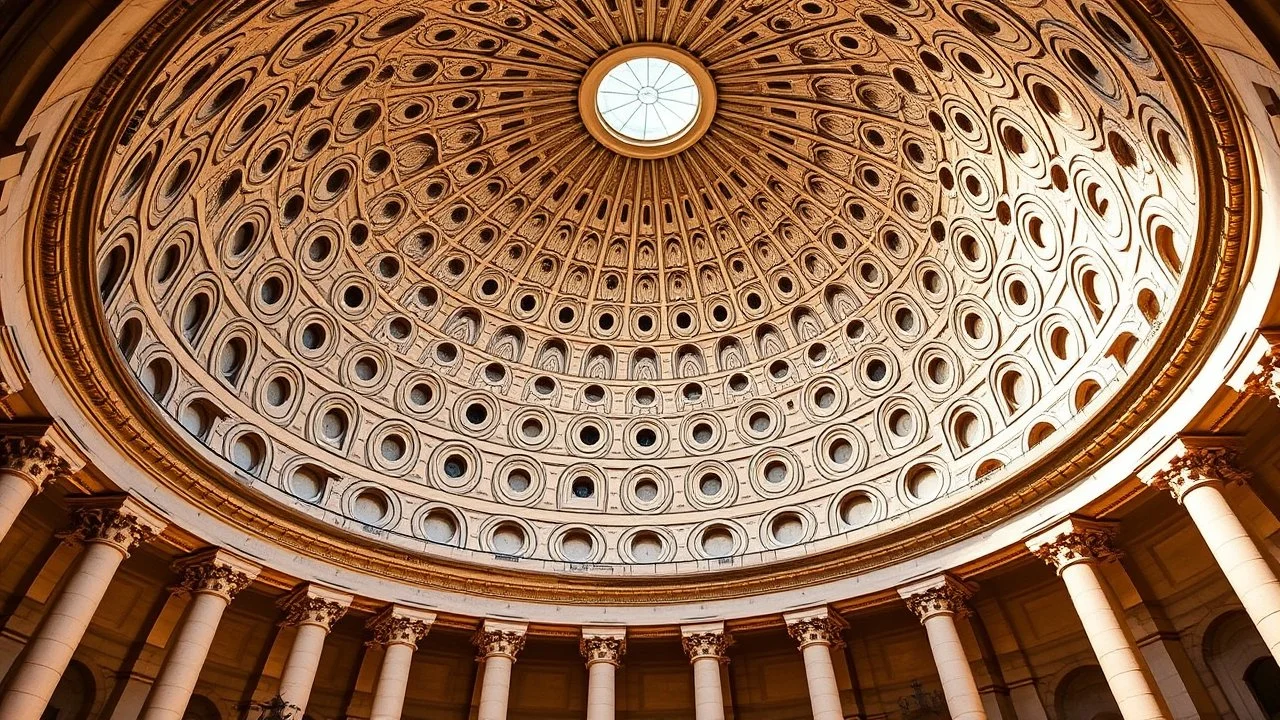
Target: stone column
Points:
(706, 646)
(313, 610)
(817, 630)
(1264, 379)
(110, 528)
(212, 578)
(28, 464)
(499, 643)
(603, 648)
(1196, 478)
(1075, 547)
(397, 629)
(937, 602)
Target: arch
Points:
(1084, 694)
(73, 698)
(644, 365)
(1240, 662)
(553, 355)
(201, 708)
(598, 363)
(688, 362)
(464, 326)
(507, 343)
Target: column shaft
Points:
(49, 651)
(15, 491)
(958, 685)
(820, 675)
(181, 669)
(1113, 643)
(600, 690)
(1240, 559)
(708, 698)
(300, 666)
(393, 680)
(495, 688)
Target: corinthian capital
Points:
(399, 625)
(314, 605)
(115, 520)
(938, 596)
(1074, 540)
(215, 572)
(39, 454)
(815, 627)
(1264, 381)
(1201, 460)
(500, 638)
(602, 648)
(703, 641)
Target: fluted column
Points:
(1196, 478)
(499, 643)
(706, 646)
(313, 610)
(817, 631)
(398, 630)
(109, 528)
(1075, 547)
(28, 464)
(937, 602)
(212, 578)
(603, 649)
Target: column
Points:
(817, 630)
(937, 602)
(603, 648)
(706, 646)
(499, 643)
(313, 610)
(110, 528)
(1196, 478)
(398, 630)
(212, 578)
(28, 464)
(1075, 547)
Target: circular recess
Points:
(519, 480)
(647, 100)
(441, 525)
(507, 537)
(646, 489)
(454, 466)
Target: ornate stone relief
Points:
(827, 630)
(214, 575)
(949, 597)
(602, 649)
(307, 607)
(116, 522)
(1081, 541)
(491, 641)
(34, 458)
(393, 626)
(1198, 465)
(706, 644)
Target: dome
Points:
(677, 332)
(388, 269)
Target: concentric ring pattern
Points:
(374, 260)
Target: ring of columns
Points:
(349, 423)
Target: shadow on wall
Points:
(73, 698)
(1084, 695)
(1244, 669)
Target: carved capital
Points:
(215, 572)
(400, 626)
(602, 648)
(947, 598)
(312, 605)
(1265, 380)
(1197, 466)
(34, 459)
(118, 521)
(713, 644)
(1076, 540)
(823, 629)
(499, 641)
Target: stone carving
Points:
(1265, 381)
(706, 644)
(304, 609)
(825, 630)
(214, 577)
(499, 642)
(389, 628)
(114, 526)
(1086, 543)
(34, 459)
(601, 648)
(947, 598)
(1197, 466)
